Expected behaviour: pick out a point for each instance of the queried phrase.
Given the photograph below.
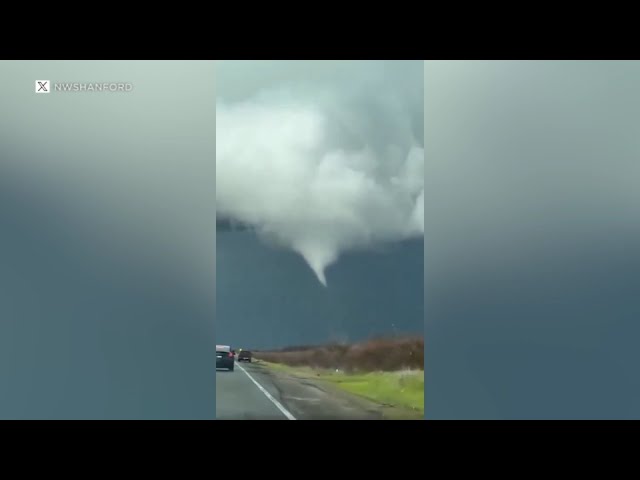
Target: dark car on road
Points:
(245, 356)
(225, 357)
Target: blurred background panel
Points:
(532, 240)
(107, 241)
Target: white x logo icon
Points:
(42, 86)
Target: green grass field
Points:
(403, 390)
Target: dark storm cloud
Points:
(302, 153)
(532, 239)
(268, 299)
(224, 225)
(321, 157)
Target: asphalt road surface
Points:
(253, 392)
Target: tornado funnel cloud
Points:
(318, 258)
(321, 172)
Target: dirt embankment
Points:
(379, 354)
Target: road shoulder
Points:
(310, 395)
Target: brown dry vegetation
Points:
(380, 354)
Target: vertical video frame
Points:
(319, 240)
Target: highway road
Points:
(253, 392)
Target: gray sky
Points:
(532, 207)
(107, 249)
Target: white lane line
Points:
(284, 411)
